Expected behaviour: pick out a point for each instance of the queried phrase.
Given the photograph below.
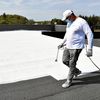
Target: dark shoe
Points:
(67, 84)
(77, 73)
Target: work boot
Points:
(67, 84)
(78, 72)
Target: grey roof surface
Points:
(85, 87)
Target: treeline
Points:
(94, 21)
(12, 19)
(9, 19)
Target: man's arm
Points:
(89, 36)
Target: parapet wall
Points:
(50, 30)
(26, 27)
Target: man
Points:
(74, 41)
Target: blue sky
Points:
(49, 9)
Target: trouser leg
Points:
(66, 57)
(70, 57)
(74, 54)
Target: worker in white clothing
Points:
(74, 41)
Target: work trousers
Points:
(70, 57)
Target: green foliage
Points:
(30, 22)
(56, 21)
(13, 19)
(43, 22)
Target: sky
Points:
(49, 9)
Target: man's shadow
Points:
(91, 78)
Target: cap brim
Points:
(63, 18)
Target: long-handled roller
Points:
(57, 55)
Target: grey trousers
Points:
(70, 57)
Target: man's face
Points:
(69, 18)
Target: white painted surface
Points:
(29, 54)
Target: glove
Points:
(89, 53)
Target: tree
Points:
(31, 22)
(4, 16)
(56, 21)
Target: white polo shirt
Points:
(75, 35)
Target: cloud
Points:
(4, 2)
(36, 9)
(33, 3)
(56, 2)
(10, 2)
(47, 9)
(18, 2)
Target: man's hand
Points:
(60, 46)
(89, 53)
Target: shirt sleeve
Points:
(89, 35)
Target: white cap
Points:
(66, 14)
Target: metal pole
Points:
(57, 56)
